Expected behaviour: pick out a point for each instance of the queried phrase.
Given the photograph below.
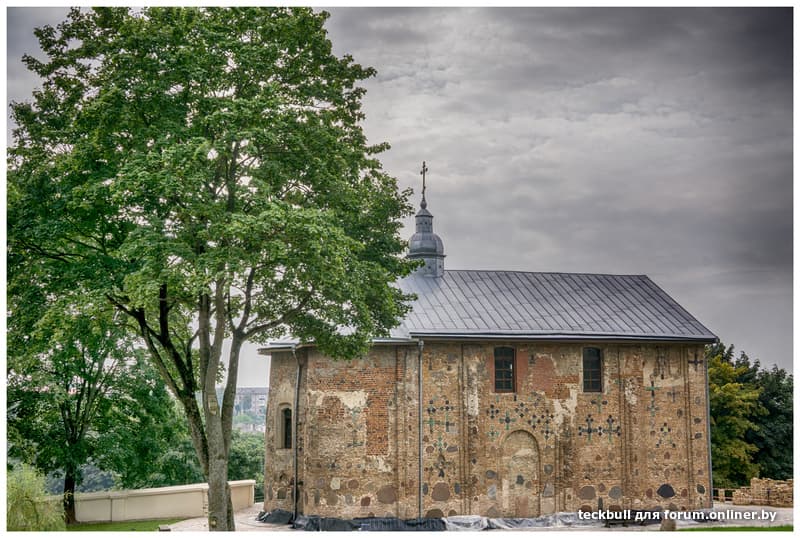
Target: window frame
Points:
(599, 370)
(513, 370)
(284, 427)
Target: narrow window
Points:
(504, 369)
(592, 370)
(286, 427)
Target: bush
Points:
(27, 505)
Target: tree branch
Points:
(283, 319)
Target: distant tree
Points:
(27, 506)
(204, 171)
(247, 459)
(735, 411)
(173, 465)
(774, 436)
(772, 433)
(78, 390)
(93, 479)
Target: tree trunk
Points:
(69, 497)
(220, 516)
(220, 513)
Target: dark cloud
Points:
(646, 141)
(653, 141)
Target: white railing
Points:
(156, 503)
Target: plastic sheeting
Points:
(560, 519)
(466, 523)
(316, 523)
(281, 517)
(452, 523)
(396, 524)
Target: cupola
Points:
(425, 244)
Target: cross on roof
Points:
(423, 172)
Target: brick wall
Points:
(547, 447)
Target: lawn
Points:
(726, 529)
(149, 525)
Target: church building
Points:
(502, 394)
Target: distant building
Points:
(250, 400)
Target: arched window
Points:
(286, 428)
(504, 370)
(592, 370)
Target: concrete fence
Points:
(156, 503)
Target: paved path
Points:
(246, 521)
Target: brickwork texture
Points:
(545, 447)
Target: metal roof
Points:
(513, 304)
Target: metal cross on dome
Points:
(423, 172)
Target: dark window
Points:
(504, 369)
(592, 370)
(286, 427)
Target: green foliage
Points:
(204, 171)
(92, 479)
(27, 506)
(751, 418)
(174, 464)
(79, 391)
(774, 435)
(247, 459)
(158, 453)
(734, 406)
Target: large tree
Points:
(204, 171)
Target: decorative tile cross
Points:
(665, 434)
(589, 429)
(507, 420)
(533, 422)
(696, 361)
(492, 411)
(610, 430)
(356, 428)
(652, 407)
(547, 431)
(431, 422)
(447, 422)
(661, 361)
(431, 409)
(599, 402)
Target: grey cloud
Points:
(655, 141)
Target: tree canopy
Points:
(751, 418)
(78, 390)
(204, 171)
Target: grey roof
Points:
(512, 304)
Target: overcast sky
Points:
(628, 141)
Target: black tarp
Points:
(396, 524)
(278, 516)
(316, 523)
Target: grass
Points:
(149, 525)
(727, 529)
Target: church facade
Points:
(503, 394)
